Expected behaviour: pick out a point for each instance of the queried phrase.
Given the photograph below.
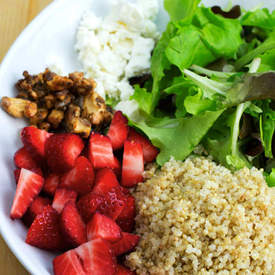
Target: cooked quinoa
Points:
(197, 217)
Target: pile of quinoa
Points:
(197, 217)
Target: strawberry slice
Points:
(62, 151)
(132, 166)
(68, 264)
(101, 152)
(100, 226)
(23, 159)
(28, 187)
(97, 257)
(72, 225)
(105, 180)
(61, 197)
(118, 130)
(150, 152)
(35, 209)
(16, 173)
(34, 140)
(126, 244)
(88, 204)
(45, 232)
(80, 178)
(126, 219)
(121, 270)
(51, 184)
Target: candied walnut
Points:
(18, 107)
(55, 118)
(59, 83)
(49, 101)
(95, 109)
(44, 126)
(82, 86)
(40, 116)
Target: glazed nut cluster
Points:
(51, 102)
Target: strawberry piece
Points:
(62, 151)
(126, 219)
(51, 184)
(80, 178)
(23, 159)
(118, 130)
(132, 166)
(150, 152)
(28, 187)
(121, 270)
(117, 167)
(88, 204)
(16, 173)
(105, 180)
(72, 225)
(126, 244)
(97, 257)
(100, 226)
(35, 209)
(68, 264)
(61, 197)
(101, 152)
(34, 140)
(45, 232)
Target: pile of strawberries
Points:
(68, 194)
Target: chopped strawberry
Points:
(68, 264)
(35, 209)
(23, 159)
(80, 178)
(72, 225)
(113, 203)
(62, 150)
(121, 270)
(105, 180)
(100, 226)
(88, 204)
(45, 232)
(97, 257)
(126, 244)
(132, 166)
(101, 152)
(61, 197)
(51, 184)
(117, 168)
(118, 130)
(150, 152)
(16, 173)
(126, 219)
(34, 140)
(28, 187)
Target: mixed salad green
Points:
(212, 85)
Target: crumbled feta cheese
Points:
(117, 47)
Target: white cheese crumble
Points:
(117, 47)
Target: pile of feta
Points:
(117, 47)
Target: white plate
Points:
(49, 38)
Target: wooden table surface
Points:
(14, 16)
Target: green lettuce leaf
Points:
(267, 61)
(270, 178)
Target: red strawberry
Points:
(23, 159)
(28, 187)
(34, 140)
(88, 204)
(62, 151)
(117, 168)
(97, 257)
(61, 197)
(68, 264)
(126, 219)
(44, 231)
(101, 152)
(121, 270)
(72, 225)
(118, 130)
(150, 152)
(100, 226)
(35, 209)
(80, 178)
(132, 166)
(51, 184)
(126, 244)
(16, 173)
(105, 180)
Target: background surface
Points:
(14, 16)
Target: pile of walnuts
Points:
(53, 102)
